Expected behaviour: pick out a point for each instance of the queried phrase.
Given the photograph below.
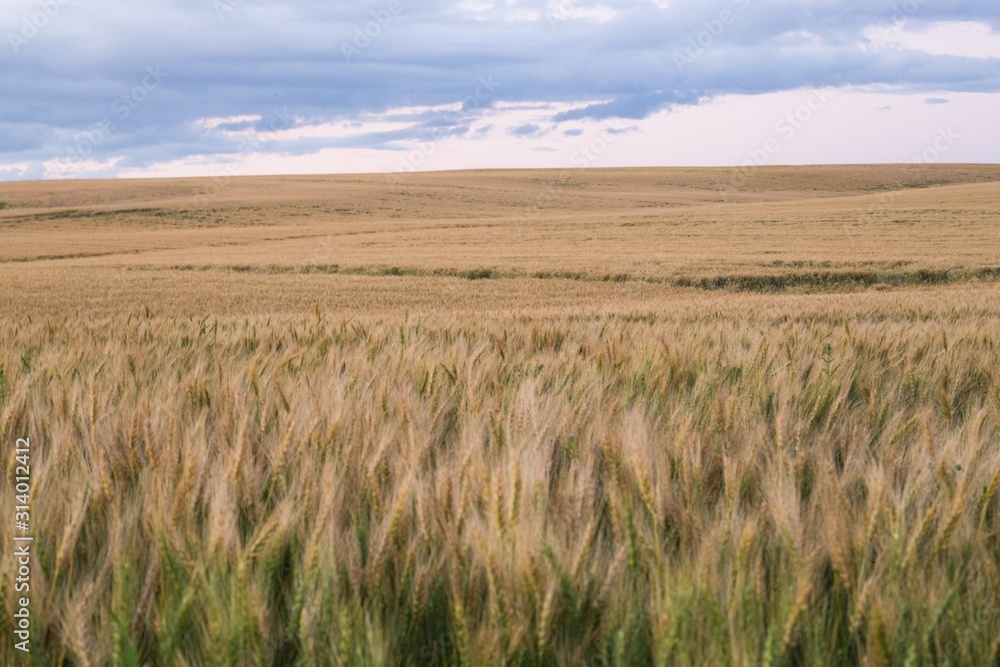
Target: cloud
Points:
(629, 106)
(276, 74)
(525, 130)
(968, 39)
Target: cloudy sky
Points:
(215, 87)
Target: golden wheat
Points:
(256, 467)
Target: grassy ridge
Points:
(809, 281)
(724, 487)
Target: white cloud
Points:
(336, 130)
(15, 169)
(213, 123)
(575, 10)
(969, 39)
(61, 168)
(483, 10)
(790, 127)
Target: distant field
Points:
(608, 417)
(300, 241)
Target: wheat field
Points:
(600, 417)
